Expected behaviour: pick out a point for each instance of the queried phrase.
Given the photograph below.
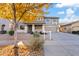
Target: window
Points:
(47, 21)
(54, 21)
(38, 26)
(22, 27)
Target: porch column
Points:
(33, 28)
(26, 29)
(43, 28)
(10, 26)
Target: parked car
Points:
(75, 32)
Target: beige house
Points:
(73, 26)
(42, 25)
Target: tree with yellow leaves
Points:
(21, 12)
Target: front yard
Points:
(63, 44)
(28, 46)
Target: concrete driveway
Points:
(63, 44)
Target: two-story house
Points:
(42, 24)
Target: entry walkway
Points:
(63, 44)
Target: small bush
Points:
(11, 32)
(42, 33)
(36, 34)
(36, 42)
(3, 32)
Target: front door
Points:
(29, 28)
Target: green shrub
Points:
(11, 32)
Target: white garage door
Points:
(51, 28)
(75, 28)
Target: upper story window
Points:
(39, 19)
(54, 21)
(47, 21)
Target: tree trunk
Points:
(14, 28)
(16, 39)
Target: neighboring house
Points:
(73, 26)
(40, 25)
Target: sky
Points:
(67, 12)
